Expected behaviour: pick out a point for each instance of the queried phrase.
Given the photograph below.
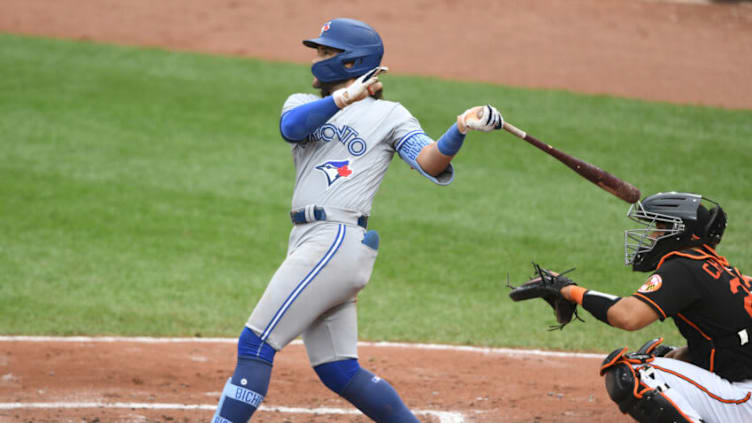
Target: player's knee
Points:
(649, 406)
(337, 374)
(250, 345)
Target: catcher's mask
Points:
(361, 46)
(671, 221)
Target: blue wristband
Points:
(449, 143)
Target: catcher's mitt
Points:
(547, 285)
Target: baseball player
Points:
(342, 144)
(710, 379)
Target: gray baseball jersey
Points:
(343, 162)
(338, 167)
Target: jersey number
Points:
(734, 284)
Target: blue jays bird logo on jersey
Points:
(335, 169)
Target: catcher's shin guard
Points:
(644, 404)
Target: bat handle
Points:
(514, 130)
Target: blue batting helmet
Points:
(360, 45)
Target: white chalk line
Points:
(443, 416)
(703, 2)
(404, 345)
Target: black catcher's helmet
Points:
(671, 221)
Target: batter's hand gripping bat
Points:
(594, 174)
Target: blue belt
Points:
(298, 217)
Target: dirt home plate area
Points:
(690, 52)
(174, 380)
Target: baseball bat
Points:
(594, 174)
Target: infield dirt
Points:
(676, 51)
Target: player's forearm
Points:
(296, 124)
(596, 303)
(432, 161)
(435, 157)
(624, 313)
(630, 314)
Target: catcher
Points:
(708, 380)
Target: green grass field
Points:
(146, 192)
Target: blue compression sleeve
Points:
(449, 143)
(248, 385)
(376, 398)
(244, 391)
(337, 374)
(296, 124)
(372, 395)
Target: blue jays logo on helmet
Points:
(335, 169)
(360, 45)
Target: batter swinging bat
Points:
(594, 174)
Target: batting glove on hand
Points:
(360, 88)
(480, 118)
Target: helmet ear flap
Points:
(713, 230)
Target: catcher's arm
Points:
(627, 313)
